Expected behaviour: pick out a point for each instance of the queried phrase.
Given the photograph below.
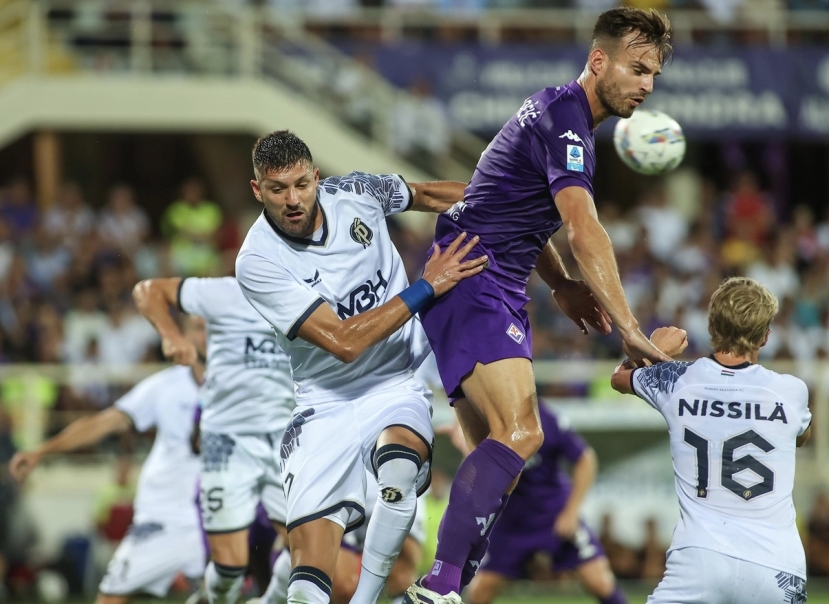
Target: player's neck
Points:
(732, 359)
(588, 82)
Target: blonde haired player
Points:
(734, 426)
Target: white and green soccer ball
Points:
(650, 141)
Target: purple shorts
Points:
(510, 551)
(477, 322)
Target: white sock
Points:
(277, 592)
(224, 583)
(391, 521)
(309, 585)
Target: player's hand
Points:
(566, 524)
(637, 347)
(670, 340)
(22, 464)
(179, 350)
(446, 268)
(576, 301)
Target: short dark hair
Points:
(279, 150)
(650, 26)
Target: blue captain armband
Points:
(417, 296)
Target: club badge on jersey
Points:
(361, 233)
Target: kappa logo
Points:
(570, 135)
(313, 280)
(485, 522)
(361, 233)
(515, 333)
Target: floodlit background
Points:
(119, 119)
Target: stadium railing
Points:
(43, 38)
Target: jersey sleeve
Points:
(800, 397)
(389, 190)
(559, 152)
(282, 300)
(652, 383)
(140, 404)
(204, 297)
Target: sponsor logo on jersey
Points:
(733, 410)
(515, 333)
(529, 110)
(361, 233)
(254, 352)
(216, 450)
(363, 297)
(575, 158)
(313, 280)
(572, 136)
(391, 495)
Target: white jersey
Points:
(248, 387)
(733, 433)
(352, 266)
(166, 401)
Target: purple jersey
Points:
(545, 486)
(545, 147)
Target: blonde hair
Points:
(739, 315)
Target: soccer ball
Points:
(650, 142)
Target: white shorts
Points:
(238, 471)
(327, 449)
(150, 557)
(356, 539)
(700, 576)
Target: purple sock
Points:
(617, 597)
(474, 500)
(478, 551)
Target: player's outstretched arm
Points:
(672, 340)
(154, 298)
(347, 339)
(437, 196)
(81, 433)
(593, 252)
(584, 473)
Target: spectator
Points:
(749, 212)
(123, 225)
(665, 226)
(70, 219)
(47, 259)
(83, 324)
(127, 338)
(190, 224)
(776, 270)
(18, 208)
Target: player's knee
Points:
(526, 440)
(397, 467)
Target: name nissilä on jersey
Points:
(733, 410)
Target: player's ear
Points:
(597, 60)
(254, 184)
(316, 175)
(766, 339)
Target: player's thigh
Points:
(346, 575)
(503, 393)
(232, 471)
(150, 557)
(404, 571)
(322, 465)
(485, 587)
(473, 424)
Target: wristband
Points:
(417, 296)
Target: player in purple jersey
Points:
(543, 516)
(535, 177)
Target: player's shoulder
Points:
(664, 376)
(166, 380)
(365, 186)
(784, 383)
(261, 246)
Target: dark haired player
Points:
(544, 516)
(535, 177)
(319, 265)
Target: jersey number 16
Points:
(731, 466)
